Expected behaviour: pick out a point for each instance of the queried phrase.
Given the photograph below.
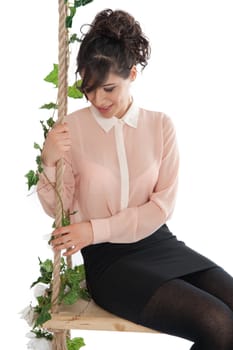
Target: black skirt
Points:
(122, 277)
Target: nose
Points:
(99, 97)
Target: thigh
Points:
(181, 309)
(215, 281)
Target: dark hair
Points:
(114, 43)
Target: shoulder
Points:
(155, 117)
(77, 116)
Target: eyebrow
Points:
(110, 84)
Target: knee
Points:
(220, 330)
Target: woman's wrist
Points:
(46, 161)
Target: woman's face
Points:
(113, 97)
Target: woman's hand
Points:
(56, 144)
(72, 237)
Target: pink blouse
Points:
(121, 174)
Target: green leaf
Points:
(70, 290)
(74, 92)
(43, 316)
(42, 310)
(39, 280)
(50, 105)
(84, 294)
(46, 271)
(63, 264)
(78, 83)
(70, 297)
(74, 38)
(65, 220)
(72, 277)
(75, 343)
(50, 122)
(69, 18)
(80, 271)
(79, 3)
(37, 146)
(32, 178)
(40, 333)
(39, 164)
(52, 77)
(69, 22)
(46, 266)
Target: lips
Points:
(104, 109)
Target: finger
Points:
(58, 240)
(61, 127)
(65, 146)
(61, 230)
(61, 238)
(71, 251)
(60, 245)
(63, 136)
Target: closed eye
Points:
(109, 89)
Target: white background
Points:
(189, 77)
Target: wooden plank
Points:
(89, 316)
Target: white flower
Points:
(38, 343)
(28, 315)
(40, 289)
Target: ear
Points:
(133, 73)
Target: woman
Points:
(120, 175)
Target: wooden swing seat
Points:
(86, 315)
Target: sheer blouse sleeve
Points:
(46, 187)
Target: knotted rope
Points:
(59, 341)
(62, 110)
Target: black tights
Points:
(197, 307)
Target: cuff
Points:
(101, 230)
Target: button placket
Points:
(123, 164)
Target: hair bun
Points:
(116, 25)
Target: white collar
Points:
(130, 118)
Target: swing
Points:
(87, 315)
(82, 315)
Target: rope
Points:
(62, 111)
(59, 339)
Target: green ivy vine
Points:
(73, 92)
(72, 279)
(71, 289)
(32, 176)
